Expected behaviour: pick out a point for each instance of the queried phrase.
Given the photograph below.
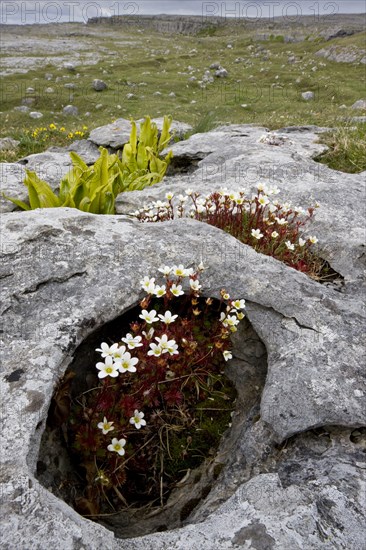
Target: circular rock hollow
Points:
(59, 471)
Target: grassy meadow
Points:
(156, 74)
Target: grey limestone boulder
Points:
(99, 85)
(308, 95)
(360, 104)
(70, 110)
(294, 478)
(221, 73)
(36, 114)
(7, 143)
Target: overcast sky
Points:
(48, 11)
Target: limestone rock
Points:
(99, 85)
(36, 114)
(360, 104)
(221, 73)
(21, 109)
(11, 183)
(274, 492)
(53, 268)
(69, 67)
(7, 143)
(308, 95)
(70, 110)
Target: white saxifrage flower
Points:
(274, 234)
(107, 351)
(117, 446)
(227, 355)
(289, 245)
(263, 200)
(119, 352)
(127, 363)
(169, 196)
(149, 316)
(256, 234)
(176, 290)
(108, 368)
(167, 346)
(167, 318)
(195, 285)
(165, 270)
(159, 291)
(132, 341)
(238, 304)
(181, 271)
(105, 426)
(148, 284)
(138, 419)
(313, 239)
(155, 350)
(301, 242)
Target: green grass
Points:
(270, 88)
(347, 149)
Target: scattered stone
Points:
(308, 96)
(8, 143)
(70, 110)
(291, 59)
(172, 94)
(36, 114)
(215, 65)
(131, 96)
(98, 107)
(192, 79)
(157, 93)
(28, 100)
(342, 55)
(359, 119)
(30, 91)
(221, 73)
(49, 90)
(48, 76)
(99, 85)
(208, 78)
(11, 183)
(22, 109)
(70, 67)
(360, 104)
(70, 86)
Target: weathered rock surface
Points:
(360, 104)
(70, 110)
(242, 156)
(343, 55)
(65, 273)
(7, 143)
(99, 85)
